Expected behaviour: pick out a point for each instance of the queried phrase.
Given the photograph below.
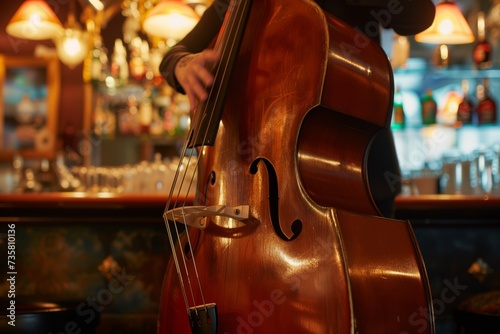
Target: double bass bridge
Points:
(195, 216)
(203, 319)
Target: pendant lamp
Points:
(449, 26)
(72, 42)
(170, 19)
(34, 20)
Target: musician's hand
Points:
(192, 74)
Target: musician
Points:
(184, 65)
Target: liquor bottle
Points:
(398, 113)
(145, 111)
(137, 64)
(156, 127)
(486, 107)
(129, 118)
(96, 65)
(482, 50)
(429, 108)
(119, 65)
(99, 117)
(400, 51)
(46, 176)
(465, 109)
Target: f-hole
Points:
(296, 226)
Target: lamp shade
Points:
(34, 20)
(170, 20)
(449, 27)
(199, 6)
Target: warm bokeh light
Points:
(34, 20)
(449, 27)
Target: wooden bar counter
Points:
(79, 204)
(422, 206)
(72, 247)
(459, 237)
(69, 245)
(63, 198)
(448, 206)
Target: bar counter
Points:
(459, 238)
(61, 198)
(70, 247)
(422, 206)
(69, 241)
(80, 206)
(447, 206)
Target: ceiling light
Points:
(34, 20)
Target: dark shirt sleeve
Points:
(405, 17)
(408, 17)
(195, 41)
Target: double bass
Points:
(287, 232)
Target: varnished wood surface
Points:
(84, 207)
(453, 207)
(415, 202)
(422, 205)
(92, 199)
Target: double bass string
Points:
(228, 26)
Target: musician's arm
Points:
(195, 41)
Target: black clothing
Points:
(405, 17)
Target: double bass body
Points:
(304, 109)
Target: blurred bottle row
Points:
(458, 108)
(133, 61)
(138, 111)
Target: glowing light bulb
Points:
(72, 46)
(446, 27)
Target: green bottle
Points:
(429, 108)
(398, 113)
